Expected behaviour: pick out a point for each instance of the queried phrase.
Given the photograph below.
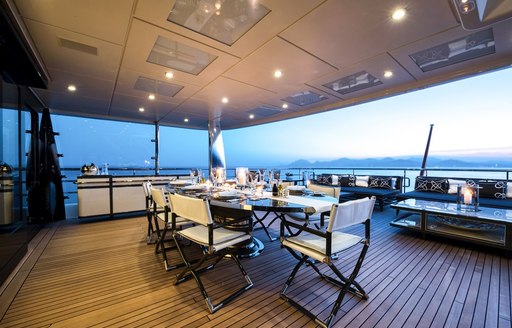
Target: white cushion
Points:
(314, 246)
(362, 180)
(222, 237)
(509, 189)
(453, 185)
(334, 180)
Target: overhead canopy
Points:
(332, 54)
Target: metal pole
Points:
(156, 141)
(425, 155)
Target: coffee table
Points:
(486, 226)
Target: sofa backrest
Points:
(368, 181)
(488, 188)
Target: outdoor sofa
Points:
(384, 188)
(493, 193)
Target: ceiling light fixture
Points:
(278, 73)
(251, 116)
(225, 100)
(71, 88)
(466, 6)
(217, 5)
(399, 14)
(151, 96)
(285, 106)
(185, 120)
(388, 74)
(169, 75)
(141, 109)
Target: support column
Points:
(216, 146)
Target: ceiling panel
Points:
(104, 20)
(282, 14)
(104, 65)
(103, 48)
(503, 43)
(376, 66)
(141, 41)
(257, 68)
(344, 32)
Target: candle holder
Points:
(242, 174)
(468, 198)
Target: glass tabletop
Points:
(435, 207)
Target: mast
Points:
(425, 155)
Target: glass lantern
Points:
(468, 197)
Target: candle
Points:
(467, 196)
(241, 175)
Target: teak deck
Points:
(102, 274)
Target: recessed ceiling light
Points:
(463, 1)
(71, 88)
(251, 116)
(225, 100)
(141, 109)
(285, 106)
(185, 120)
(388, 74)
(278, 73)
(217, 5)
(399, 14)
(151, 96)
(169, 75)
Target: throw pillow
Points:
(439, 185)
(509, 189)
(493, 189)
(453, 183)
(362, 180)
(347, 180)
(323, 179)
(380, 182)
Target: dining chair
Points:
(170, 224)
(215, 240)
(314, 247)
(317, 218)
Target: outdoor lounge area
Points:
(104, 274)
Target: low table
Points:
(486, 226)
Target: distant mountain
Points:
(411, 162)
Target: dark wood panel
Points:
(103, 274)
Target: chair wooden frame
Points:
(305, 253)
(215, 240)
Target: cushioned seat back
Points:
(193, 209)
(349, 213)
(159, 197)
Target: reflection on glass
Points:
(224, 21)
(470, 47)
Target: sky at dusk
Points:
(471, 117)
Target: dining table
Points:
(259, 203)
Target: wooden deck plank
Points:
(103, 274)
